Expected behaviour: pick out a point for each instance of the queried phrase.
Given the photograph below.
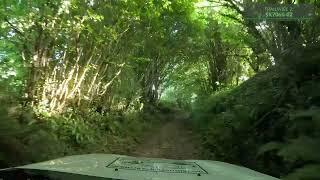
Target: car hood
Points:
(125, 167)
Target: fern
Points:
(271, 146)
(307, 172)
(303, 148)
(312, 113)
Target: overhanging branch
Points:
(15, 29)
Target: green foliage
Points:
(74, 130)
(302, 144)
(277, 121)
(7, 128)
(308, 172)
(21, 140)
(220, 122)
(42, 144)
(83, 131)
(271, 146)
(91, 76)
(303, 148)
(12, 71)
(81, 71)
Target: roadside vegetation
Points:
(85, 76)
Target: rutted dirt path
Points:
(173, 141)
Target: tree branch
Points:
(13, 27)
(232, 17)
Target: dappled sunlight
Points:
(181, 79)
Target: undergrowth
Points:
(270, 123)
(28, 135)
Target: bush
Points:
(23, 141)
(269, 123)
(30, 135)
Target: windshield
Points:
(233, 81)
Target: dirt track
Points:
(173, 141)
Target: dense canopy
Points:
(86, 76)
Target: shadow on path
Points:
(172, 141)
